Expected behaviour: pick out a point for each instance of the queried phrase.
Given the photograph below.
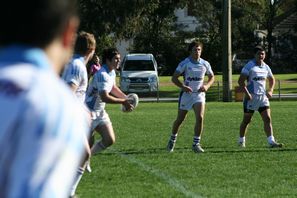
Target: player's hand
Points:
(187, 89)
(203, 88)
(269, 94)
(128, 105)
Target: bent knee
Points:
(108, 141)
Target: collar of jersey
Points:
(255, 62)
(194, 61)
(24, 54)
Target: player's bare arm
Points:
(178, 83)
(210, 81)
(242, 85)
(109, 98)
(117, 92)
(271, 81)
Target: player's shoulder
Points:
(185, 61)
(204, 62)
(183, 64)
(250, 64)
(266, 66)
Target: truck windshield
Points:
(138, 65)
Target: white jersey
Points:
(103, 80)
(194, 72)
(257, 75)
(76, 72)
(42, 127)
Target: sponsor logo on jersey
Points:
(194, 79)
(260, 78)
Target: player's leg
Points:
(266, 117)
(248, 112)
(81, 169)
(181, 115)
(199, 109)
(107, 138)
(91, 143)
(247, 117)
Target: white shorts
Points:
(257, 102)
(99, 118)
(187, 100)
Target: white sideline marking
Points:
(170, 180)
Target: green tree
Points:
(151, 25)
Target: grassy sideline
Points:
(137, 165)
(286, 82)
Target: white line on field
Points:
(169, 179)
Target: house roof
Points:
(286, 22)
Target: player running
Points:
(192, 95)
(255, 72)
(102, 90)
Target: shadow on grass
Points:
(150, 151)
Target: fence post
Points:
(279, 88)
(158, 94)
(218, 91)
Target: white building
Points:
(183, 18)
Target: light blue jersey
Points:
(257, 75)
(194, 72)
(42, 127)
(76, 72)
(103, 80)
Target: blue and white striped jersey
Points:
(42, 127)
(103, 80)
(194, 72)
(76, 72)
(257, 75)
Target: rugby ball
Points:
(133, 99)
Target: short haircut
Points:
(108, 54)
(259, 48)
(34, 22)
(84, 42)
(194, 44)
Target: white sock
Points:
(196, 140)
(77, 179)
(173, 137)
(241, 139)
(270, 139)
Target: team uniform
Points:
(76, 73)
(256, 85)
(193, 72)
(42, 127)
(103, 80)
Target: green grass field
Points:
(138, 165)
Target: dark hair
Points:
(258, 48)
(84, 42)
(34, 22)
(194, 44)
(109, 54)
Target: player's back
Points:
(40, 131)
